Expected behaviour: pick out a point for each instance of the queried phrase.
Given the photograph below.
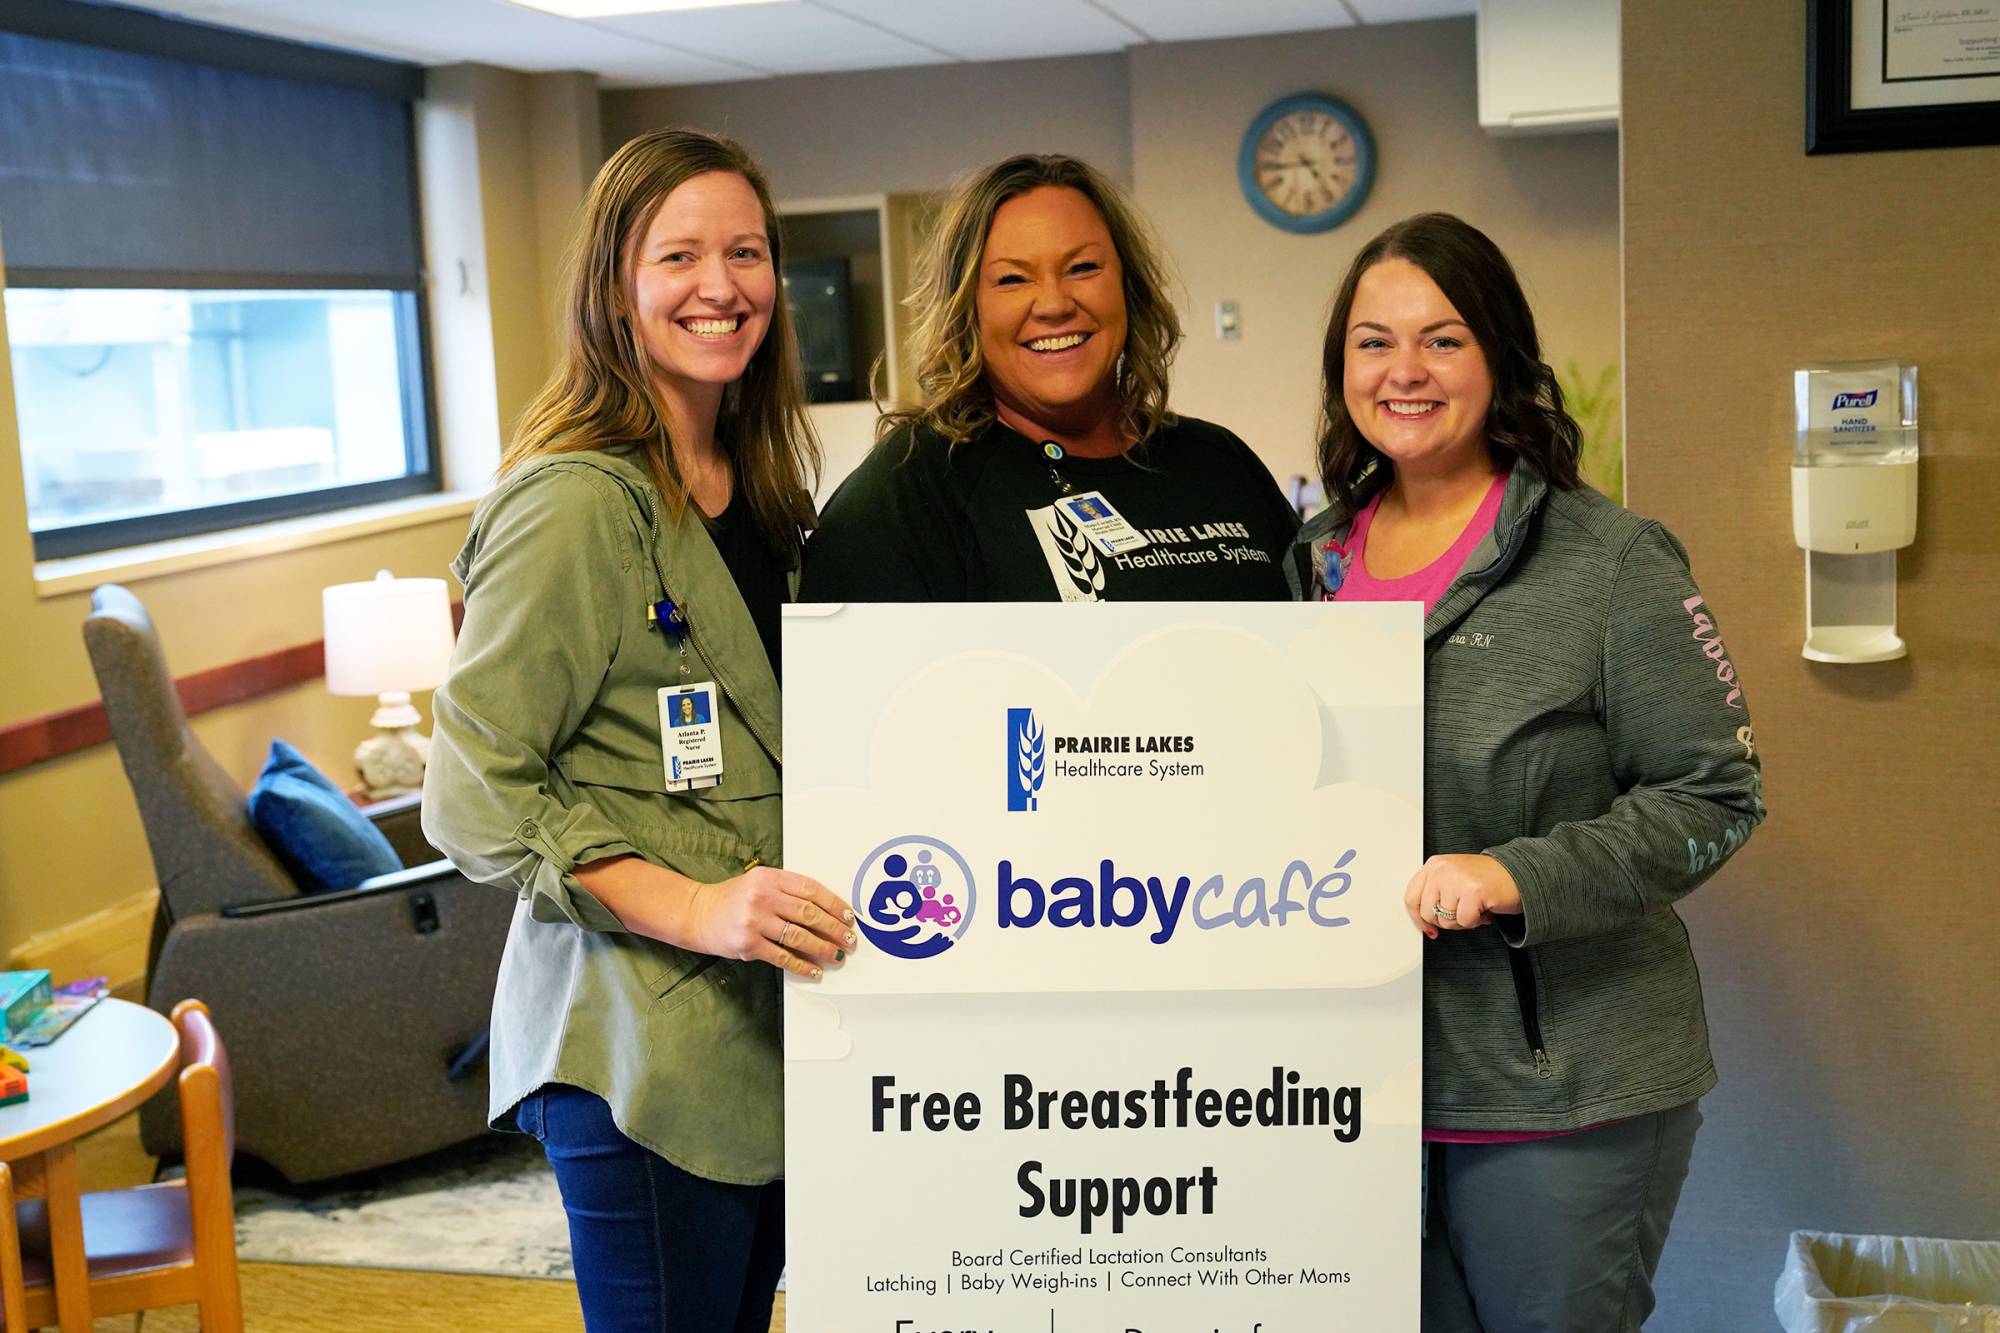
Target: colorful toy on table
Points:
(13, 1085)
(13, 1058)
(22, 996)
(31, 1014)
(54, 1020)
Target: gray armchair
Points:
(355, 1019)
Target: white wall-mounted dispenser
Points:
(1854, 502)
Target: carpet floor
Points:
(488, 1207)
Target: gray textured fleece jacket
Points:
(1584, 725)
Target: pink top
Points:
(1427, 584)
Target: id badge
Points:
(690, 736)
(1103, 525)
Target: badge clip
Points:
(669, 619)
(1332, 561)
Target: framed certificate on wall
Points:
(1887, 74)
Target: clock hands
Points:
(1306, 162)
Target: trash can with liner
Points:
(1835, 1283)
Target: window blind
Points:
(124, 168)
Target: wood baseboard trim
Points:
(110, 943)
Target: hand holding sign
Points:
(1460, 893)
(774, 916)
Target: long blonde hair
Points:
(602, 392)
(944, 340)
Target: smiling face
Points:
(702, 284)
(1051, 309)
(1415, 383)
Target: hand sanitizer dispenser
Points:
(1854, 503)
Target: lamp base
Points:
(391, 762)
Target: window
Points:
(147, 409)
(213, 305)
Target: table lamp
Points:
(388, 637)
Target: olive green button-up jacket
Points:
(546, 756)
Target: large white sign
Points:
(1132, 1042)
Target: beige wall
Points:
(1551, 203)
(879, 131)
(70, 841)
(1849, 951)
(566, 146)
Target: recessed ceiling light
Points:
(597, 9)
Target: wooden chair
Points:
(170, 1243)
(13, 1299)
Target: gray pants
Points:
(1555, 1235)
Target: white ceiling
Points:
(751, 41)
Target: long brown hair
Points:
(1527, 418)
(602, 392)
(944, 340)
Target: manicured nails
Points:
(850, 937)
(848, 917)
(840, 955)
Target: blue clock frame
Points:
(1307, 224)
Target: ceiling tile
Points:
(1195, 20)
(265, 17)
(1017, 30)
(788, 38)
(785, 37)
(492, 32)
(1404, 11)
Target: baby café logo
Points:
(915, 894)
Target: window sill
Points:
(59, 578)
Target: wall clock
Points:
(1306, 163)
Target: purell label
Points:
(1854, 407)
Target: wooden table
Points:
(110, 1060)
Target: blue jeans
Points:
(657, 1249)
(1555, 1235)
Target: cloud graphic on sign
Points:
(936, 762)
(812, 1027)
(1352, 659)
(1399, 1098)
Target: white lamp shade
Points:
(387, 635)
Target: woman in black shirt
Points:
(1043, 463)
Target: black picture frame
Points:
(1834, 126)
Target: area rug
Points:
(489, 1206)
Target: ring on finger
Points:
(784, 940)
(1444, 913)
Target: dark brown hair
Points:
(944, 337)
(602, 392)
(1526, 420)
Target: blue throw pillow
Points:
(323, 839)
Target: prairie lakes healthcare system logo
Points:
(915, 895)
(1074, 563)
(1027, 761)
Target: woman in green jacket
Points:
(634, 555)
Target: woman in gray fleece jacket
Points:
(1587, 761)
